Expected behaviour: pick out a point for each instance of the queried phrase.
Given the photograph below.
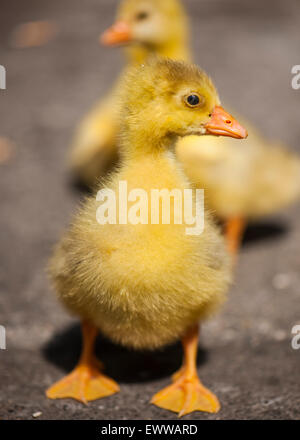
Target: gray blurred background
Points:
(249, 48)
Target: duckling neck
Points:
(139, 143)
(176, 50)
(152, 165)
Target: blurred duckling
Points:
(151, 27)
(147, 285)
(240, 184)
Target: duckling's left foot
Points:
(84, 384)
(185, 396)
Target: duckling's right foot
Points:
(85, 383)
(186, 395)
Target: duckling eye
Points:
(194, 100)
(142, 15)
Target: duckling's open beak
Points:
(223, 124)
(119, 33)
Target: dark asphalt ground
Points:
(246, 357)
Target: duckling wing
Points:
(276, 180)
(94, 146)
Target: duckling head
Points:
(155, 25)
(164, 99)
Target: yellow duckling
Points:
(151, 27)
(147, 284)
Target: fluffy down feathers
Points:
(142, 286)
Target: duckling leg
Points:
(85, 382)
(187, 394)
(234, 230)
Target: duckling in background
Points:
(241, 185)
(256, 180)
(151, 27)
(147, 285)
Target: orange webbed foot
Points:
(85, 383)
(186, 395)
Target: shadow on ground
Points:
(265, 231)
(125, 366)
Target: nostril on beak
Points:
(228, 121)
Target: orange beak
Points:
(223, 124)
(119, 33)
